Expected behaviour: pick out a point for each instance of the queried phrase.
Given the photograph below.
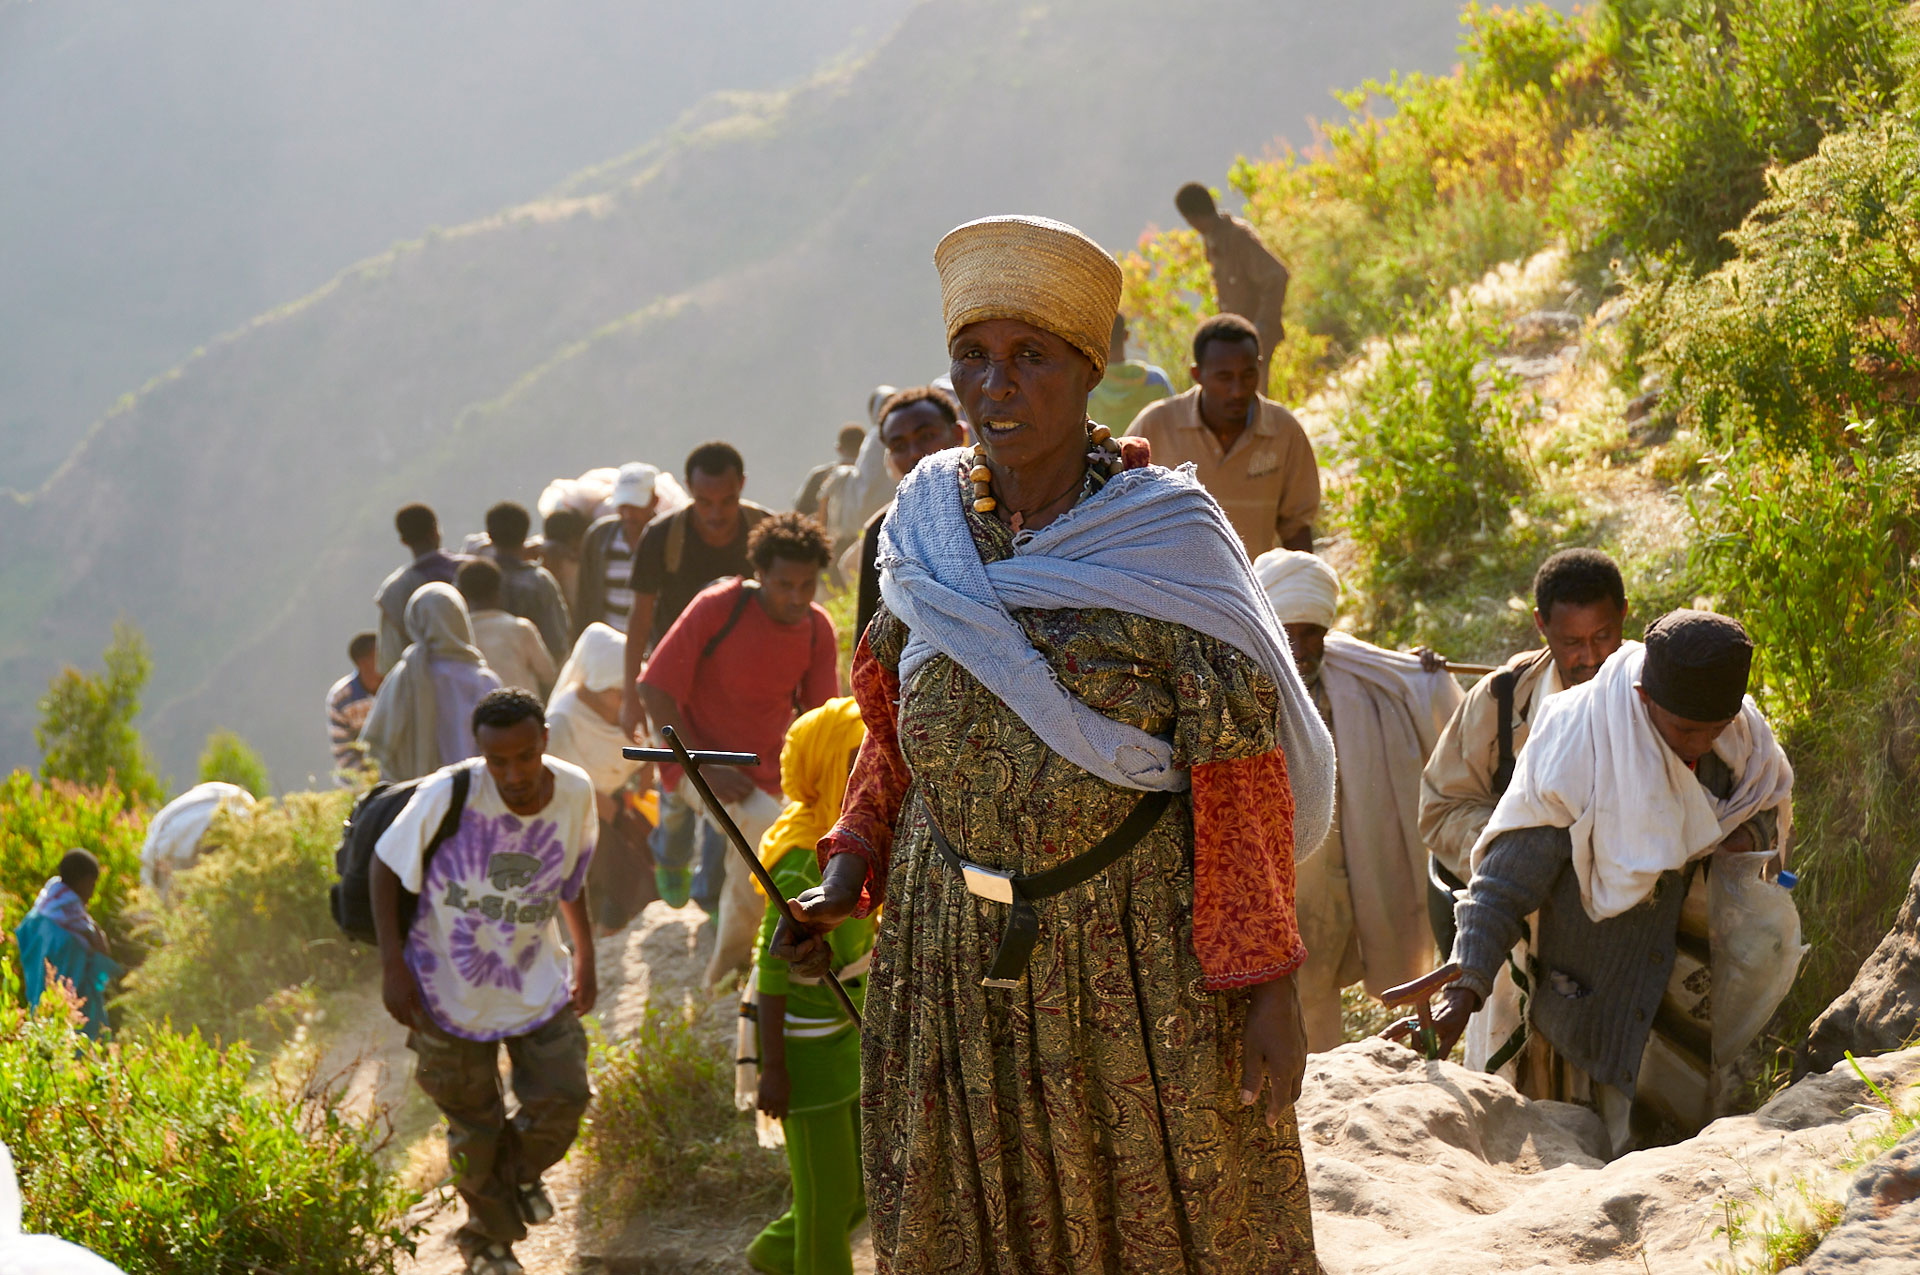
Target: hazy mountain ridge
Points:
(749, 276)
(176, 168)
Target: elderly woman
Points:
(422, 717)
(583, 727)
(1089, 760)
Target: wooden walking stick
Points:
(1419, 993)
(675, 751)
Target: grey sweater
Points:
(1599, 983)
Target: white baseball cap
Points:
(634, 486)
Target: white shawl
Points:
(1387, 713)
(1595, 766)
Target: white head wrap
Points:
(575, 731)
(1301, 587)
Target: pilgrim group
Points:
(1108, 825)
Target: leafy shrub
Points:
(1708, 95)
(250, 920)
(1811, 552)
(159, 1155)
(663, 1129)
(1816, 319)
(86, 733)
(228, 758)
(41, 822)
(1856, 762)
(1436, 467)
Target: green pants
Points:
(812, 1237)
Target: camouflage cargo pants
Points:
(494, 1154)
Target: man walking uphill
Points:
(678, 557)
(1248, 280)
(731, 673)
(419, 531)
(479, 964)
(528, 589)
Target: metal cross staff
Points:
(675, 751)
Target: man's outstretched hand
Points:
(820, 909)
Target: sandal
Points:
(493, 1258)
(536, 1206)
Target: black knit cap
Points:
(1697, 665)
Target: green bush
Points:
(1856, 762)
(249, 921)
(230, 759)
(1434, 465)
(1430, 182)
(1811, 551)
(158, 1154)
(41, 822)
(1707, 96)
(663, 1129)
(1816, 320)
(86, 733)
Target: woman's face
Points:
(1024, 390)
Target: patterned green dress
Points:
(1088, 1120)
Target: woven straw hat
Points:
(1033, 269)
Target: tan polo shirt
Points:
(1268, 482)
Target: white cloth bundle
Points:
(173, 835)
(1595, 765)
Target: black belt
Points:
(1023, 926)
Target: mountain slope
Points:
(750, 277)
(177, 168)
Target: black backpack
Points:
(352, 897)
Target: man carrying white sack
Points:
(1635, 789)
(1361, 897)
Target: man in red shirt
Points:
(743, 659)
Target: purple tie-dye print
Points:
(484, 946)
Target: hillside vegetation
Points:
(750, 275)
(1643, 278)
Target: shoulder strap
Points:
(676, 542)
(450, 822)
(745, 596)
(1501, 685)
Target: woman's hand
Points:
(776, 1090)
(1274, 1047)
(820, 909)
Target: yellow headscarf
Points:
(815, 763)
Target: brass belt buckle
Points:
(987, 883)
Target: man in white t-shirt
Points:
(480, 964)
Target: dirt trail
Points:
(659, 958)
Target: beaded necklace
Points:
(1103, 452)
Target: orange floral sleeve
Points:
(1244, 928)
(879, 782)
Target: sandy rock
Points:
(1880, 1233)
(1428, 1169)
(1881, 1010)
